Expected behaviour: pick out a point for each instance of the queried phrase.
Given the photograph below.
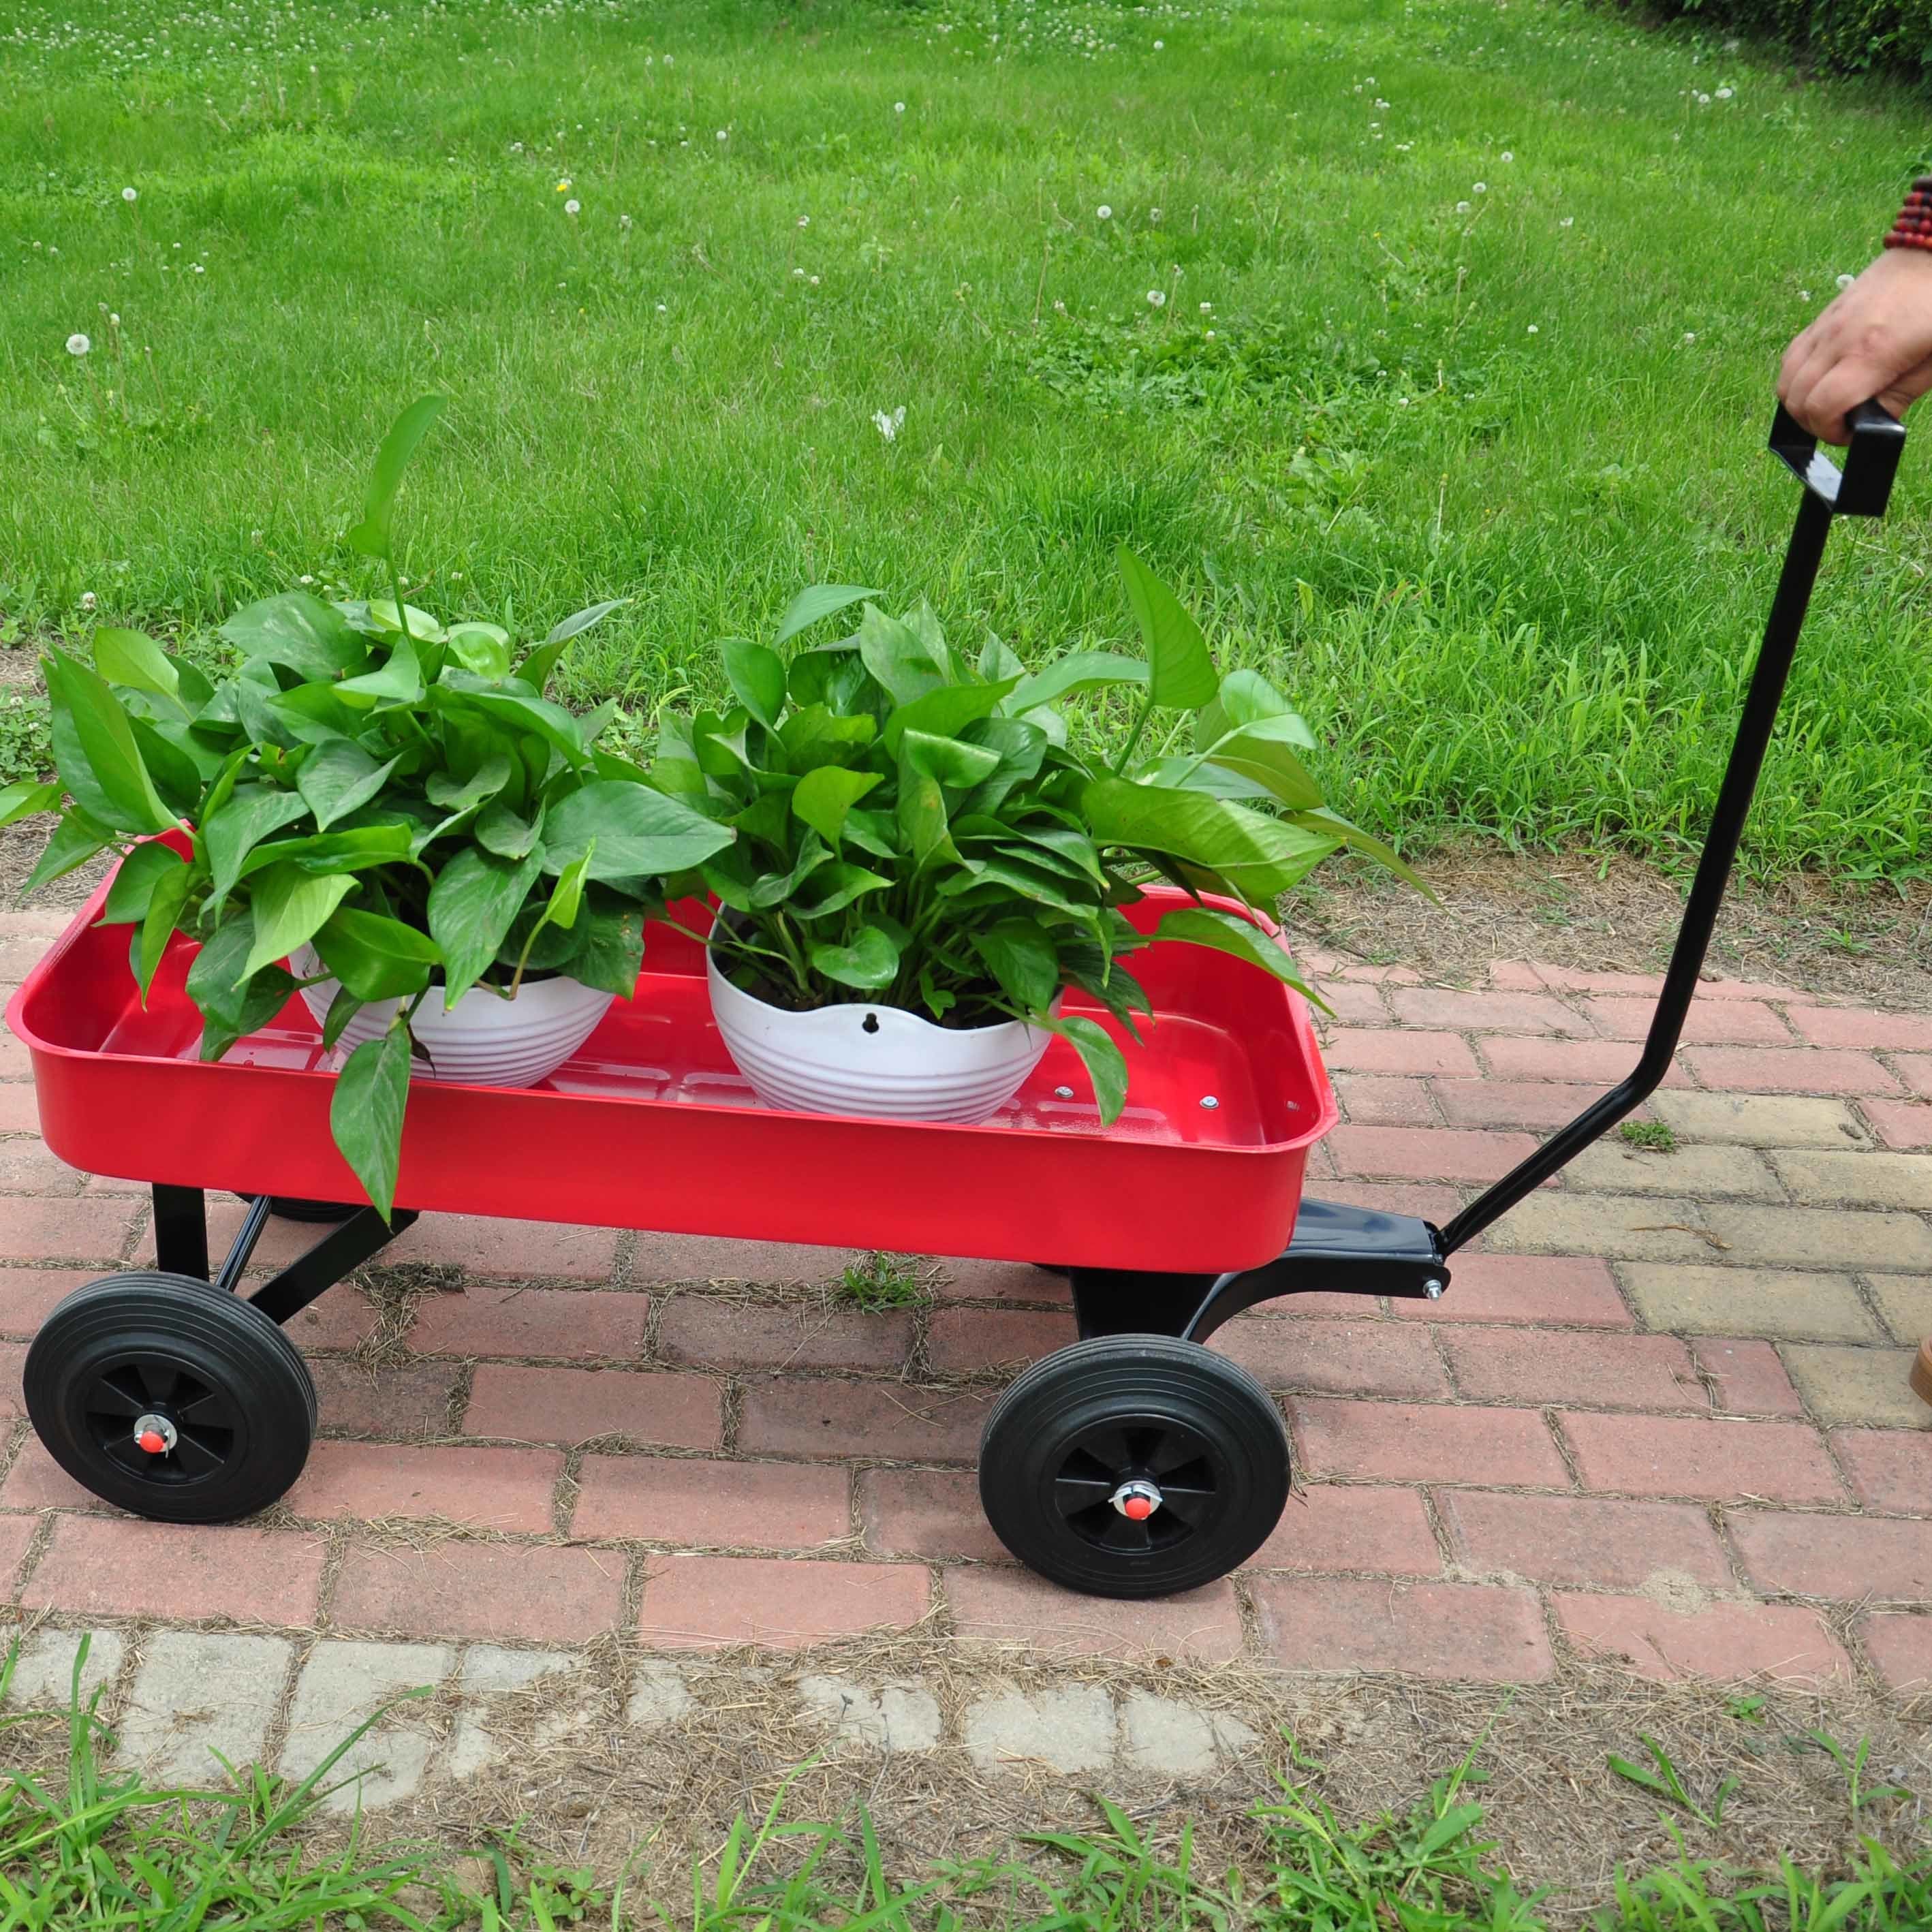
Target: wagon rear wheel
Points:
(170, 1398)
(1134, 1465)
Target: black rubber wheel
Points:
(222, 1396)
(1092, 1433)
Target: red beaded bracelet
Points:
(1913, 228)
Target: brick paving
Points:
(1660, 1418)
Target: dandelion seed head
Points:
(1507, 156)
(724, 133)
(804, 221)
(573, 206)
(811, 281)
(1480, 187)
(1568, 221)
(1156, 298)
(1534, 330)
(1104, 213)
(1207, 308)
(77, 344)
(1690, 335)
(898, 106)
(87, 600)
(1462, 208)
(1725, 93)
(130, 194)
(1846, 281)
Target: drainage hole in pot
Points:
(870, 1023)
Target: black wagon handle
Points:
(1863, 487)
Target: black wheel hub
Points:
(157, 1420)
(1131, 1487)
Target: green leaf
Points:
(1020, 956)
(376, 957)
(1456, 1823)
(418, 624)
(514, 711)
(1261, 753)
(342, 1010)
(308, 636)
(127, 657)
(1181, 671)
(921, 819)
(25, 797)
(134, 881)
(339, 778)
(823, 796)
(489, 778)
(507, 833)
(611, 953)
(637, 831)
(816, 735)
(158, 925)
(1068, 676)
(945, 712)
(251, 813)
(951, 760)
(1357, 840)
(1245, 846)
(871, 962)
(94, 750)
(76, 838)
(758, 676)
(1247, 697)
(898, 661)
(484, 648)
(1106, 1066)
(819, 600)
(289, 906)
(365, 1113)
(355, 851)
(563, 631)
(471, 908)
(371, 536)
(1228, 932)
(399, 681)
(832, 887)
(232, 1005)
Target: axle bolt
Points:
(155, 1434)
(1136, 1501)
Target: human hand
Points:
(1874, 340)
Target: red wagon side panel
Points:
(650, 1126)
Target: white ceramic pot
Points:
(859, 1059)
(485, 1041)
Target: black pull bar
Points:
(1861, 490)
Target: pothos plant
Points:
(395, 793)
(920, 827)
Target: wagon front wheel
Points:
(170, 1398)
(1134, 1465)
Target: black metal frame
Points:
(180, 1247)
(1336, 1250)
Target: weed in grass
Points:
(1653, 1136)
(1663, 1781)
(1858, 1792)
(877, 1280)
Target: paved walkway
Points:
(1662, 1417)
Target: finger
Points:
(1855, 379)
(1909, 387)
(1801, 401)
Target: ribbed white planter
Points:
(485, 1041)
(860, 1059)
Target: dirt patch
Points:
(575, 1784)
(1872, 944)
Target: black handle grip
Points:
(1863, 487)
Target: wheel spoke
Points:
(1126, 1536)
(1175, 1449)
(159, 1378)
(211, 1409)
(1072, 1494)
(197, 1457)
(123, 1450)
(1185, 1504)
(106, 1398)
(1110, 1447)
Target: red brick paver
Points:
(1667, 1456)
(700, 1503)
(706, 1603)
(1394, 1441)
(576, 1404)
(536, 1593)
(115, 1566)
(1890, 1469)
(1720, 1640)
(1016, 1607)
(1466, 1631)
(1579, 1540)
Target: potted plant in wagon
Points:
(926, 859)
(457, 873)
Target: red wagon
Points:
(1133, 1462)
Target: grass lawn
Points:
(1430, 346)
